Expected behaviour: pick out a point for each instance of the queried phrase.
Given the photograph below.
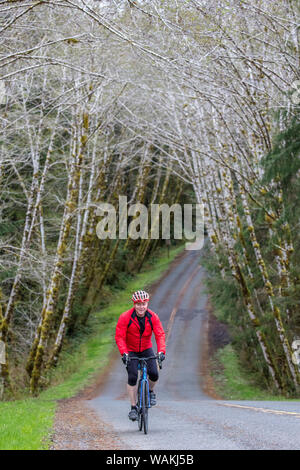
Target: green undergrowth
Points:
(232, 368)
(232, 382)
(27, 424)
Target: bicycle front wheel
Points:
(145, 406)
(140, 408)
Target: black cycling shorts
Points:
(132, 367)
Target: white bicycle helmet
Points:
(140, 296)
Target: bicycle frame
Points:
(142, 366)
(143, 378)
(143, 391)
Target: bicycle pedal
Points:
(133, 415)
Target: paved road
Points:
(185, 418)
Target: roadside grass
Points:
(232, 382)
(27, 424)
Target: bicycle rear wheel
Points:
(145, 406)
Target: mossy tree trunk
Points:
(36, 358)
(81, 241)
(270, 294)
(230, 210)
(145, 245)
(33, 211)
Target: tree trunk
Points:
(53, 289)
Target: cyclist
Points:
(133, 337)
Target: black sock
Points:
(133, 407)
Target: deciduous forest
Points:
(162, 101)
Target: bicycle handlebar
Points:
(146, 359)
(143, 358)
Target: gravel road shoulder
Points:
(77, 427)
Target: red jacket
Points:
(128, 334)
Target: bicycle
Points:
(143, 402)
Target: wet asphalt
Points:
(184, 417)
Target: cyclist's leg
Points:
(132, 369)
(151, 368)
(132, 393)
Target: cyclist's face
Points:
(141, 307)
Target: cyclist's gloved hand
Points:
(125, 358)
(161, 356)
